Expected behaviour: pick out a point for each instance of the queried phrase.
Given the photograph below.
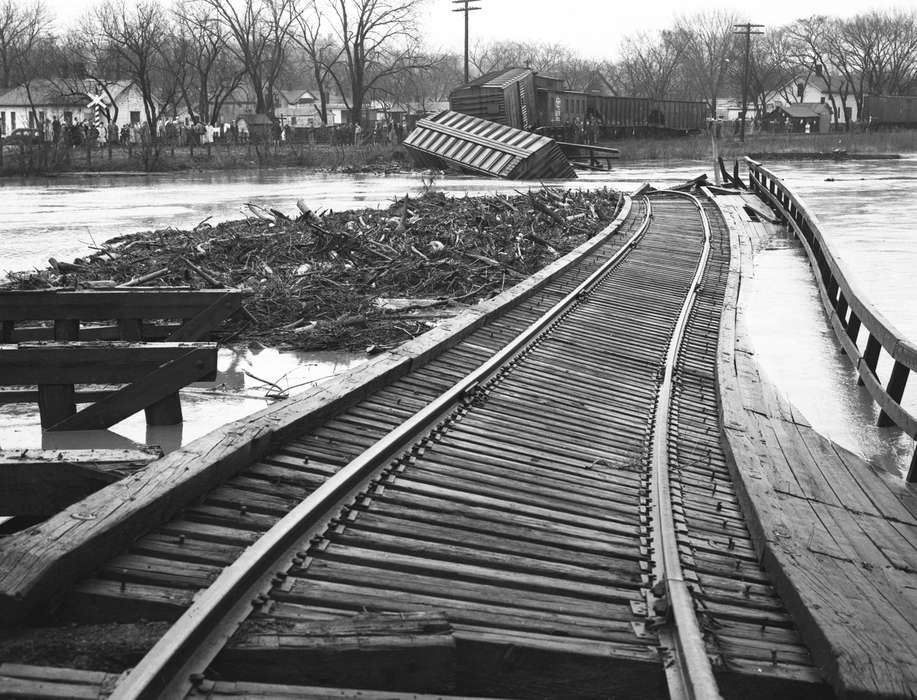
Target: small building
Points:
(811, 117)
(38, 102)
(297, 108)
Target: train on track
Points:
(890, 111)
(522, 98)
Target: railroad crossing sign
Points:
(97, 106)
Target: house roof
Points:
(41, 93)
(300, 96)
(60, 93)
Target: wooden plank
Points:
(43, 482)
(151, 331)
(107, 304)
(93, 362)
(403, 652)
(160, 384)
(827, 568)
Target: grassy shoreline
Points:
(699, 147)
(50, 161)
(46, 161)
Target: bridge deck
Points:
(524, 519)
(838, 535)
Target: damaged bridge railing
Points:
(849, 312)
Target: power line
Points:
(468, 6)
(747, 29)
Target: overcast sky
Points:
(596, 27)
(593, 27)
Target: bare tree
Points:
(23, 27)
(651, 66)
(709, 49)
(209, 73)
(261, 32)
(774, 67)
(379, 40)
(322, 53)
(133, 42)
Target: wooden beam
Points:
(157, 387)
(151, 331)
(107, 304)
(409, 652)
(43, 482)
(93, 362)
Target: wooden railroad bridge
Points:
(582, 488)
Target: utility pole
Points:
(467, 6)
(747, 29)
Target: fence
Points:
(848, 310)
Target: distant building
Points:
(811, 117)
(35, 103)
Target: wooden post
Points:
(895, 390)
(871, 355)
(58, 401)
(841, 307)
(88, 154)
(166, 411)
(853, 326)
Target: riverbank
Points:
(49, 160)
(369, 278)
(839, 145)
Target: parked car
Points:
(25, 136)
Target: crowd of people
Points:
(187, 131)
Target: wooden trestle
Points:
(506, 551)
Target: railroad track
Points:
(553, 482)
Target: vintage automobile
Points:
(23, 136)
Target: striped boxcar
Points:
(479, 146)
(504, 96)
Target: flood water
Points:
(63, 216)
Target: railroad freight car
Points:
(504, 96)
(521, 98)
(889, 110)
(682, 116)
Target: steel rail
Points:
(691, 676)
(175, 665)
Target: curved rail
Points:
(848, 309)
(691, 676)
(175, 664)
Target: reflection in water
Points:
(206, 405)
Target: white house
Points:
(40, 101)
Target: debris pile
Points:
(352, 279)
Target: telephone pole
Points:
(467, 6)
(747, 29)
